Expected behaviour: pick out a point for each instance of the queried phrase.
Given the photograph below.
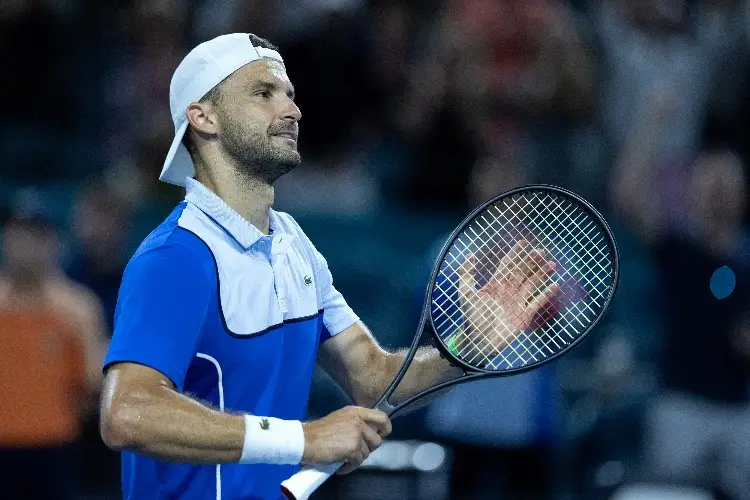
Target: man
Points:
(51, 337)
(229, 302)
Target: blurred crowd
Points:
(414, 112)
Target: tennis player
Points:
(226, 307)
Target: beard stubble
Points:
(254, 152)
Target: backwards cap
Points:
(201, 70)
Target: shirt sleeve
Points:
(337, 315)
(161, 310)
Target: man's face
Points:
(258, 120)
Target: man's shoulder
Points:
(172, 244)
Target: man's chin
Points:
(290, 157)
(284, 166)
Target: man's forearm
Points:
(427, 369)
(365, 370)
(171, 426)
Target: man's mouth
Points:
(287, 135)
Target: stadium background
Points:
(414, 112)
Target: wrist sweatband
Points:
(271, 440)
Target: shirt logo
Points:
(264, 424)
(308, 280)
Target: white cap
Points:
(201, 70)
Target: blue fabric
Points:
(169, 318)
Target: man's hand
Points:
(495, 314)
(347, 435)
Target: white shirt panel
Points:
(245, 277)
(337, 315)
(264, 280)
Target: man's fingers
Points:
(346, 469)
(466, 271)
(542, 299)
(467, 283)
(526, 268)
(514, 255)
(354, 462)
(378, 420)
(371, 437)
(533, 285)
(371, 440)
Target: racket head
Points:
(572, 234)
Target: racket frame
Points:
(426, 321)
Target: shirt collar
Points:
(225, 216)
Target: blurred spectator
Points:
(532, 54)
(701, 329)
(650, 44)
(328, 68)
(493, 73)
(438, 120)
(698, 430)
(51, 336)
(154, 38)
(101, 224)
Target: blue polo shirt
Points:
(234, 318)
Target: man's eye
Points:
(263, 93)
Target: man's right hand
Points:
(347, 435)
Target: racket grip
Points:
(304, 483)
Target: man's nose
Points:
(291, 111)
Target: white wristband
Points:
(271, 440)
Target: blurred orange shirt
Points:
(42, 376)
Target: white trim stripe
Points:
(221, 407)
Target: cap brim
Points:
(178, 165)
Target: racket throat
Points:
(384, 406)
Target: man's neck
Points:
(250, 197)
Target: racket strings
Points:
(488, 320)
(502, 331)
(575, 270)
(589, 272)
(603, 265)
(516, 257)
(513, 320)
(506, 317)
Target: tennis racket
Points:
(522, 280)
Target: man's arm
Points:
(495, 314)
(365, 370)
(141, 411)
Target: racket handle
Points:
(301, 485)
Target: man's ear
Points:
(202, 118)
